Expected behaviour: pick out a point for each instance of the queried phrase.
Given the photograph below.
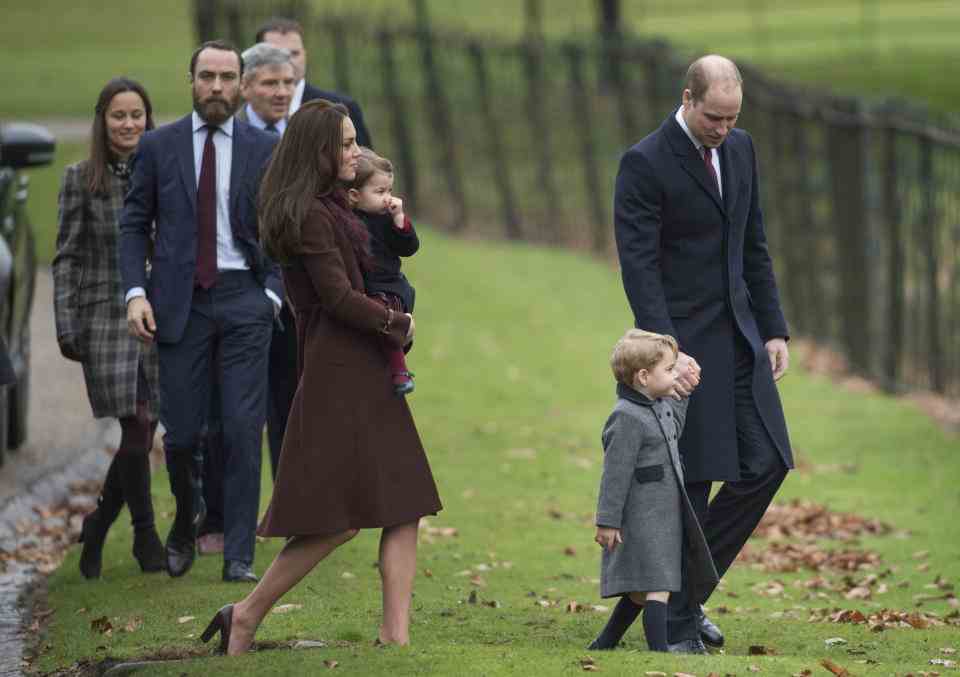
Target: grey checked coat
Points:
(90, 312)
(642, 494)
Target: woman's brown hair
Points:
(99, 140)
(305, 165)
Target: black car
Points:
(21, 146)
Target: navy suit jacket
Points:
(696, 266)
(162, 201)
(356, 115)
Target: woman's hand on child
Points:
(608, 538)
(395, 208)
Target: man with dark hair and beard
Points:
(210, 291)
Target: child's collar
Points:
(635, 396)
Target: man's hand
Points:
(140, 318)
(608, 538)
(395, 209)
(779, 357)
(410, 330)
(688, 375)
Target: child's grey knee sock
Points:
(623, 616)
(655, 625)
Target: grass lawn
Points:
(513, 387)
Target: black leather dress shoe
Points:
(181, 546)
(709, 633)
(690, 646)
(238, 572)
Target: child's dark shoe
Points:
(403, 383)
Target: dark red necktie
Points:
(207, 215)
(708, 161)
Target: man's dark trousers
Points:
(738, 507)
(233, 319)
(283, 382)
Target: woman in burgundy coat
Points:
(352, 458)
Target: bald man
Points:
(695, 265)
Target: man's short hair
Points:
(639, 349)
(263, 54)
(279, 25)
(222, 45)
(708, 70)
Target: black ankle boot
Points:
(96, 524)
(135, 475)
(148, 549)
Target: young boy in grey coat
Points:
(645, 522)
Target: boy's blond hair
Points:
(639, 349)
(369, 164)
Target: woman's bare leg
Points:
(297, 558)
(398, 566)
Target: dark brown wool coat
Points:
(351, 455)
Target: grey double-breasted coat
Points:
(89, 307)
(642, 494)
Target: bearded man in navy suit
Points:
(693, 255)
(191, 212)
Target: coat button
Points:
(669, 414)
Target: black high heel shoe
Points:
(221, 622)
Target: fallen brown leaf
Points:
(761, 650)
(101, 625)
(588, 664)
(286, 608)
(834, 668)
(570, 551)
(330, 663)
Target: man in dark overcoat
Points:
(695, 265)
(211, 292)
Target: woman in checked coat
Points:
(91, 318)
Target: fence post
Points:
(406, 152)
(616, 52)
(235, 24)
(499, 163)
(588, 149)
(205, 19)
(341, 57)
(847, 146)
(532, 53)
(440, 117)
(895, 264)
(928, 237)
(794, 229)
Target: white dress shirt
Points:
(259, 123)
(297, 96)
(714, 156)
(229, 257)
